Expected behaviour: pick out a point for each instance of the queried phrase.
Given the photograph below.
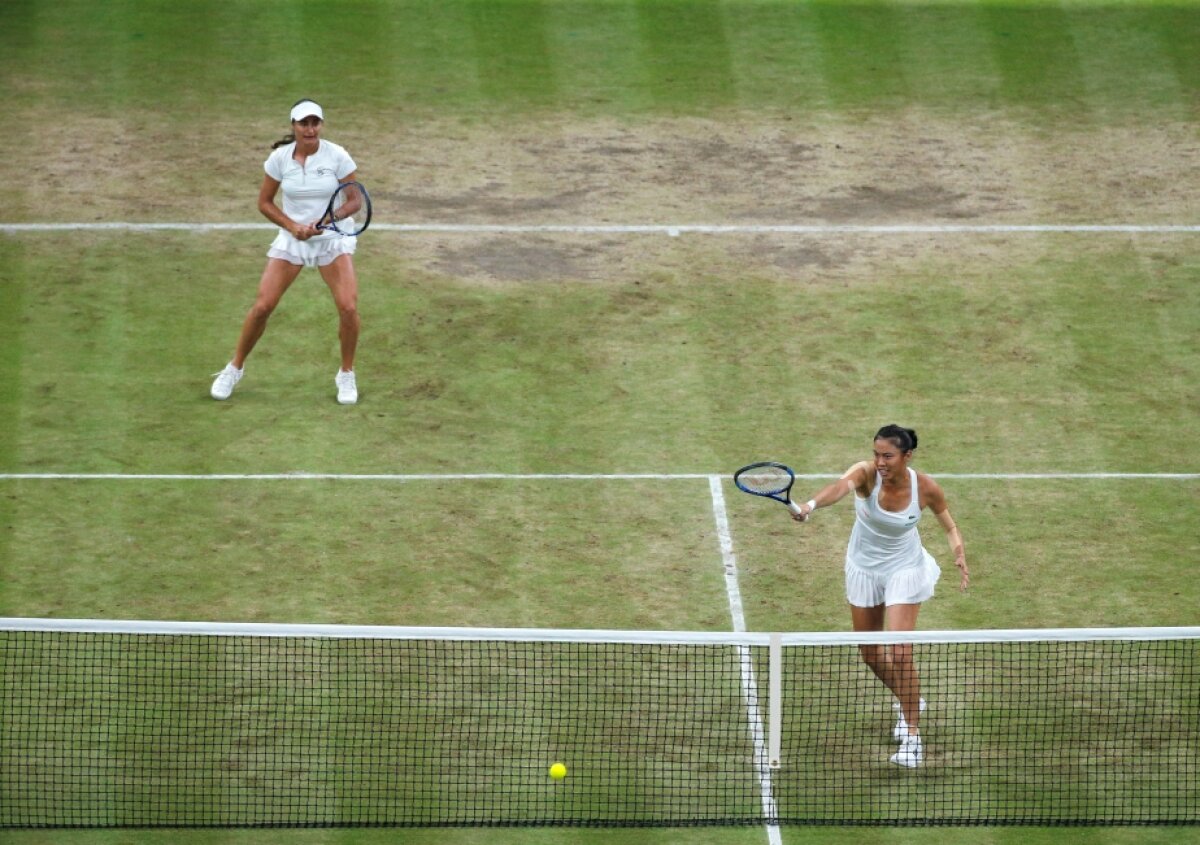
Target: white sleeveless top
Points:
(883, 541)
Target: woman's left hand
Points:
(964, 576)
(304, 231)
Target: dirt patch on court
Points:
(893, 168)
(534, 258)
(886, 169)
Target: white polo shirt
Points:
(307, 187)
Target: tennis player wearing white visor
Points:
(888, 572)
(308, 169)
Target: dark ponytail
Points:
(905, 439)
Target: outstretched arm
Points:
(851, 480)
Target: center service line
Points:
(749, 683)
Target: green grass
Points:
(1022, 354)
(1045, 357)
(367, 552)
(479, 57)
(658, 351)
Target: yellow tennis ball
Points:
(558, 771)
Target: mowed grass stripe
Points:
(668, 367)
(629, 555)
(1104, 55)
(474, 58)
(950, 48)
(442, 553)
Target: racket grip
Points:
(795, 507)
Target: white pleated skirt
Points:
(906, 585)
(315, 252)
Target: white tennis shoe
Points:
(910, 753)
(901, 730)
(223, 386)
(347, 387)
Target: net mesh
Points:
(158, 730)
(1042, 733)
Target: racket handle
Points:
(795, 507)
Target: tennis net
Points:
(160, 724)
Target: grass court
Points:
(539, 353)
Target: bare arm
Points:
(936, 499)
(353, 198)
(271, 211)
(851, 479)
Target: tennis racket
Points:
(769, 479)
(349, 211)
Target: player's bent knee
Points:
(262, 310)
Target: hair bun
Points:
(904, 438)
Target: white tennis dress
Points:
(306, 191)
(885, 561)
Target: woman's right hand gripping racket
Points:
(349, 211)
(769, 479)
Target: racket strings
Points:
(351, 209)
(765, 480)
(346, 204)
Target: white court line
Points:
(725, 538)
(749, 684)
(670, 229)
(501, 476)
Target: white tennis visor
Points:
(303, 109)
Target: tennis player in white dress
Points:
(308, 169)
(889, 573)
